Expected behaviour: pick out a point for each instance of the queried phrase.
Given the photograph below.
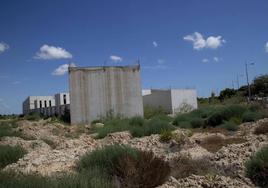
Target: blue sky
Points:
(196, 44)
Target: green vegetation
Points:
(257, 167)
(131, 166)
(137, 126)
(150, 112)
(224, 116)
(10, 154)
(99, 169)
(7, 129)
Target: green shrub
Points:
(257, 167)
(150, 112)
(136, 121)
(197, 123)
(82, 180)
(251, 116)
(166, 136)
(103, 158)
(236, 120)
(153, 126)
(33, 116)
(10, 154)
(230, 126)
(6, 129)
(215, 119)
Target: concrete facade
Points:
(47, 105)
(97, 91)
(171, 100)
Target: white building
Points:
(171, 100)
(47, 105)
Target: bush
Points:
(136, 121)
(251, 116)
(144, 171)
(257, 167)
(81, 180)
(229, 126)
(132, 167)
(197, 123)
(33, 116)
(10, 154)
(153, 126)
(261, 129)
(166, 136)
(137, 126)
(150, 112)
(103, 158)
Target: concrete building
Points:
(47, 105)
(171, 100)
(97, 91)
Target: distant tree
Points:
(260, 86)
(227, 93)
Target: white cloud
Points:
(51, 52)
(205, 60)
(3, 47)
(61, 70)
(199, 42)
(266, 47)
(115, 58)
(155, 44)
(216, 59)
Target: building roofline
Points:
(92, 68)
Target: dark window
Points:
(40, 104)
(45, 104)
(64, 99)
(50, 103)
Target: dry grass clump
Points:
(184, 166)
(146, 171)
(215, 143)
(262, 129)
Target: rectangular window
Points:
(40, 104)
(50, 103)
(64, 99)
(45, 104)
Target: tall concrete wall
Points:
(96, 91)
(158, 98)
(180, 97)
(171, 100)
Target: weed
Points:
(10, 154)
(257, 167)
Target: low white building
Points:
(47, 105)
(171, 100)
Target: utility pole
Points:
(249, 91)
(237, 79)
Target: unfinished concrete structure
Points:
(95, 92)
(171, 100)
(47, 105)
